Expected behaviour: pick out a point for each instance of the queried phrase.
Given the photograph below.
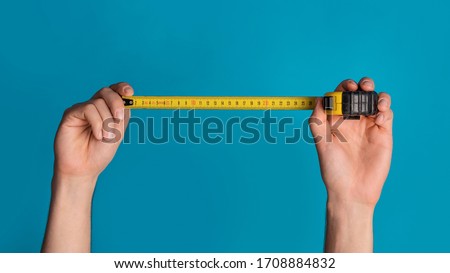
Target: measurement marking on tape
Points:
(219, 103)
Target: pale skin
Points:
(353, 172)
(80, 157)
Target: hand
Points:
(354, 170)
(82, 146)
(83, 149)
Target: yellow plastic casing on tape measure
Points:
(219, 103)
(336, 103)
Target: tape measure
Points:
(349, 104)
(219, 103)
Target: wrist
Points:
(76, 188)
(350, 211)
(345, 204)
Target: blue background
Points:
(244, 198)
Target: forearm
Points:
(349, 227)
(69, 222)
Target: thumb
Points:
(317, 122)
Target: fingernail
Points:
(367, 83)
(99, 135)
(119, 114)
(108, 135)
(382, 102)
(127, 90)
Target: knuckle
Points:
(68, 111)
(104, 91)
(98, 101)
(119, 85)
(71, 108)
(388, 99)
(89, 106)
(347, 81)
(384, 95)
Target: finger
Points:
(88, 112)
(102, 108)
(122, 88)
(347, 85)
(107, 118)
(384, 119)
(105, 114)
(366, 84)
(126, 119)
(385, 115)
(317, 122)
(113, 100)
(384, 102)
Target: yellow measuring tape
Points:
(348, 104)
(219, 103)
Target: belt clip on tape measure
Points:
(350, 105)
